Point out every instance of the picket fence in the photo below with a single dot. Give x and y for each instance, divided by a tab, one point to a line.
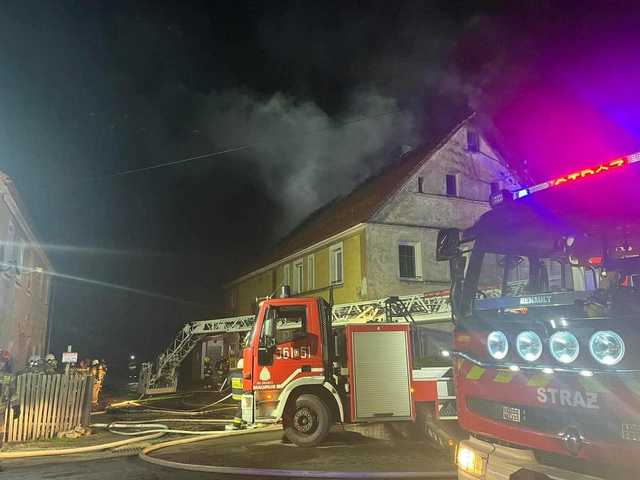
49	404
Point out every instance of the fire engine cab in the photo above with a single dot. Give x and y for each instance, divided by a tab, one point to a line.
300	370
547	373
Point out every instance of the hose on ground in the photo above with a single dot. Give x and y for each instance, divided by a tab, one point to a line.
116	428
271	472
194	412
70	451
154	430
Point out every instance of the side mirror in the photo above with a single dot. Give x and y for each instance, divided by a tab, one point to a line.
266	350
448	244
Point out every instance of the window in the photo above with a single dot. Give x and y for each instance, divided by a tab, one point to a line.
19	258
28	270
8	248
495	187
287	321
451	182
44	287
298	276
311	272
410	260
473	141
336	264
287	275
420	184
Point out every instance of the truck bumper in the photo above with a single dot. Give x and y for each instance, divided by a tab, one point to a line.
479	460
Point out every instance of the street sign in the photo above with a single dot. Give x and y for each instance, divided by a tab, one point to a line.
69	357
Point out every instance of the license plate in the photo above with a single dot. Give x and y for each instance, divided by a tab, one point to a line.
511	414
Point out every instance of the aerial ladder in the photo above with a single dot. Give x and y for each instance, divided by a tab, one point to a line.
161	376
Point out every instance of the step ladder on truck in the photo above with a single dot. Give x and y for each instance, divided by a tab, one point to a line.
347	363
548	377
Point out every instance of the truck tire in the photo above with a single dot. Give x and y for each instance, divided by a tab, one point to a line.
308	422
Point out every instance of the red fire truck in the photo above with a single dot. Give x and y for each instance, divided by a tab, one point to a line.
548	373
299	369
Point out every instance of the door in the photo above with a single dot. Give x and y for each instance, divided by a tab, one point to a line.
289	348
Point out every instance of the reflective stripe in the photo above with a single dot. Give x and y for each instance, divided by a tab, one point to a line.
475	373
539	380
503	376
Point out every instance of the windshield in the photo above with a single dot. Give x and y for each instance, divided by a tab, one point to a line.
603	263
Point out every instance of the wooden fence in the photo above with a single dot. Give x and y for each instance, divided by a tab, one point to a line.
49	404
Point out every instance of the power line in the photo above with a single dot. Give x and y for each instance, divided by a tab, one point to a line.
247	146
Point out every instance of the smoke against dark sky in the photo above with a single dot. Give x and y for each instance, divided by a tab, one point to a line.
325	94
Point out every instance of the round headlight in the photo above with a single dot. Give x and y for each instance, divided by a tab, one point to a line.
606	347
497	345
564	346
529	346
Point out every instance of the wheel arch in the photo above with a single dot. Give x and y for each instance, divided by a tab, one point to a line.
325	391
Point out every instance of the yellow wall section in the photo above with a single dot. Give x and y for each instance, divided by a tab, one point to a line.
260	285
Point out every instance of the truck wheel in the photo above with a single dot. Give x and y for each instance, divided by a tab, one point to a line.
307	423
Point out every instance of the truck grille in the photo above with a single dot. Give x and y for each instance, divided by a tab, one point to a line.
594	425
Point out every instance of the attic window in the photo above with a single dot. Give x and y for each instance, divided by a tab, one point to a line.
451	183
473	141
420	183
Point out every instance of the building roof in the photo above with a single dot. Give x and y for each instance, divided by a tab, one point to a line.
354	208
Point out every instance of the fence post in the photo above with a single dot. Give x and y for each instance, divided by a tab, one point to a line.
88	395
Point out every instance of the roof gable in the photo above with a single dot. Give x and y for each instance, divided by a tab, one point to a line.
360	205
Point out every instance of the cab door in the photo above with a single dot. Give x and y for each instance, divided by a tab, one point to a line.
289	348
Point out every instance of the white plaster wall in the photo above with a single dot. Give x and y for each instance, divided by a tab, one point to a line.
413	216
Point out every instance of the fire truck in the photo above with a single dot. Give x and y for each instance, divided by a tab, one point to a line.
547	373
301	370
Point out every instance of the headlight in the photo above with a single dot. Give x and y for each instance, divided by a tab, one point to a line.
497	345
606	347
564	346
529	346
469	461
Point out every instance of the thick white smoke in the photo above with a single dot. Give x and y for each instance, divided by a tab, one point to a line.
305	156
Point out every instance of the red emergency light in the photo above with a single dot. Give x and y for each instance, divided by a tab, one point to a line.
572	177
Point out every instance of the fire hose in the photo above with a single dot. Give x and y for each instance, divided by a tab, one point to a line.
152	430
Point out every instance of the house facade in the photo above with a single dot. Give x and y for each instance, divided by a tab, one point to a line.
25	273
380	239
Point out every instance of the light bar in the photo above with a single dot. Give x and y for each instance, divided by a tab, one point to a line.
505	195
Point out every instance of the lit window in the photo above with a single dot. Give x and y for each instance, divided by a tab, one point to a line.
298	276
409	260
451	183
311	272
336	264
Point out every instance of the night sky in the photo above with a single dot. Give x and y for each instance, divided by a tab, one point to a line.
311	97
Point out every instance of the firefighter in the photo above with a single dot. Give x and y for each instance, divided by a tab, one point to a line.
51	364
83	367
97	381
8	398
222	371
235	379
35	364
208	374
